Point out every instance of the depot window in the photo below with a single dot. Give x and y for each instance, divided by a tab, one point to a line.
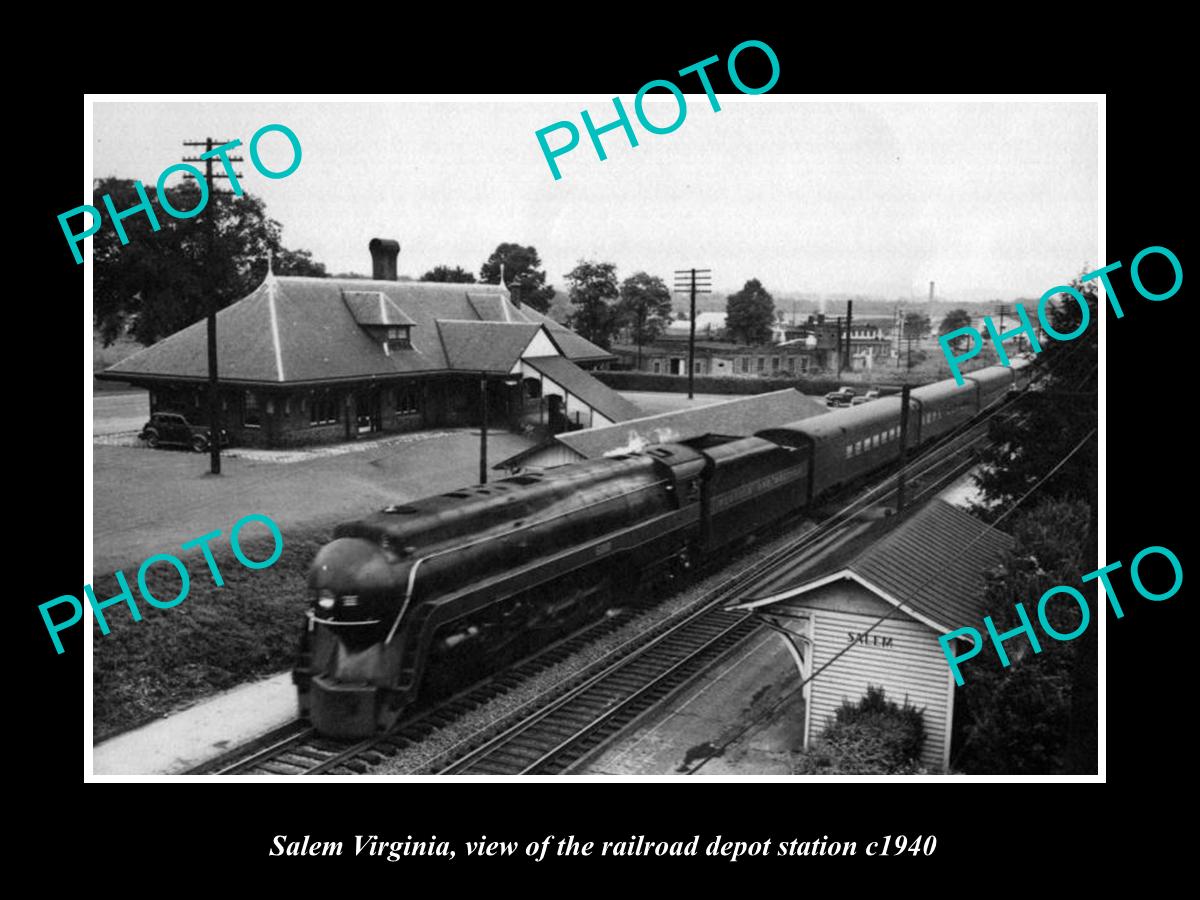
251	412
323	409
407	401
398	337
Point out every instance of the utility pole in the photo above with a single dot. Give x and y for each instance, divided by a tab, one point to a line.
214	403
849	335
693	282
839	345
483	427
898	332
903	446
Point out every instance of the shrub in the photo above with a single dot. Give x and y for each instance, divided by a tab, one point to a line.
874	736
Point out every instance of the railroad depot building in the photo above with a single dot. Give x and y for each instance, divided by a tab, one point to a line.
310	360
881	602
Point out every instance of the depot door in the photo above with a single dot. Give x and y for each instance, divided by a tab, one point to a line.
368	407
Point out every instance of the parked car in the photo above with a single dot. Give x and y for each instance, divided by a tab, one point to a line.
173	428
865	398
843	396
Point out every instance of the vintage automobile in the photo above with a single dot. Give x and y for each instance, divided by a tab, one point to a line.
165	428
843	396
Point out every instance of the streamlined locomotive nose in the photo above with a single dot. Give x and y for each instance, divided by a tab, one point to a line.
350	566
351	582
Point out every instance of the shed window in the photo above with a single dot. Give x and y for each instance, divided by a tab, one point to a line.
849	451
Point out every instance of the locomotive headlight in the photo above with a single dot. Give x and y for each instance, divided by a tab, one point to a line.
325	599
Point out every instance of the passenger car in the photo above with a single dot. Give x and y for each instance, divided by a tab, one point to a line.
415	597
174	428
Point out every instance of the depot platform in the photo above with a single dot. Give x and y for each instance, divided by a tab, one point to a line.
185	739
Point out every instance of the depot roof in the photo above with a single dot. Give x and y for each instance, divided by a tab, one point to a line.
295	329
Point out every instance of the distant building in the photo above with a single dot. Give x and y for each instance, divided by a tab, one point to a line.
710	326
670	357
310	360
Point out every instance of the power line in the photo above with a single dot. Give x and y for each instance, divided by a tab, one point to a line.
214	403
693	282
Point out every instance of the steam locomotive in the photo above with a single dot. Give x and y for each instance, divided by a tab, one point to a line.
405	596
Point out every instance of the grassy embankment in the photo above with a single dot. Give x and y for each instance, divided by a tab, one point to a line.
217	638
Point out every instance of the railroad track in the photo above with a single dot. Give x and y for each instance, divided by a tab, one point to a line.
558	735
559	729
553	734
297	749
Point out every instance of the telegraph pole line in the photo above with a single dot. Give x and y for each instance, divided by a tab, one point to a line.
483	427
214	404
849	335
693	282
904	393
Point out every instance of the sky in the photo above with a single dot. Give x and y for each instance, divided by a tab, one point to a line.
986	199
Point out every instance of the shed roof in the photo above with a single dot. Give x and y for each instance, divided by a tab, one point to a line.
931	564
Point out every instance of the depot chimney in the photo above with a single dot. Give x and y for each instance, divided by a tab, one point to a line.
383	259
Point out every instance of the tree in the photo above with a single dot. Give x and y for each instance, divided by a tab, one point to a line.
457	275
162	281
915	327
954	320
1017	718
1042	712
749	314
646	306
522	270
593	288
1050	421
